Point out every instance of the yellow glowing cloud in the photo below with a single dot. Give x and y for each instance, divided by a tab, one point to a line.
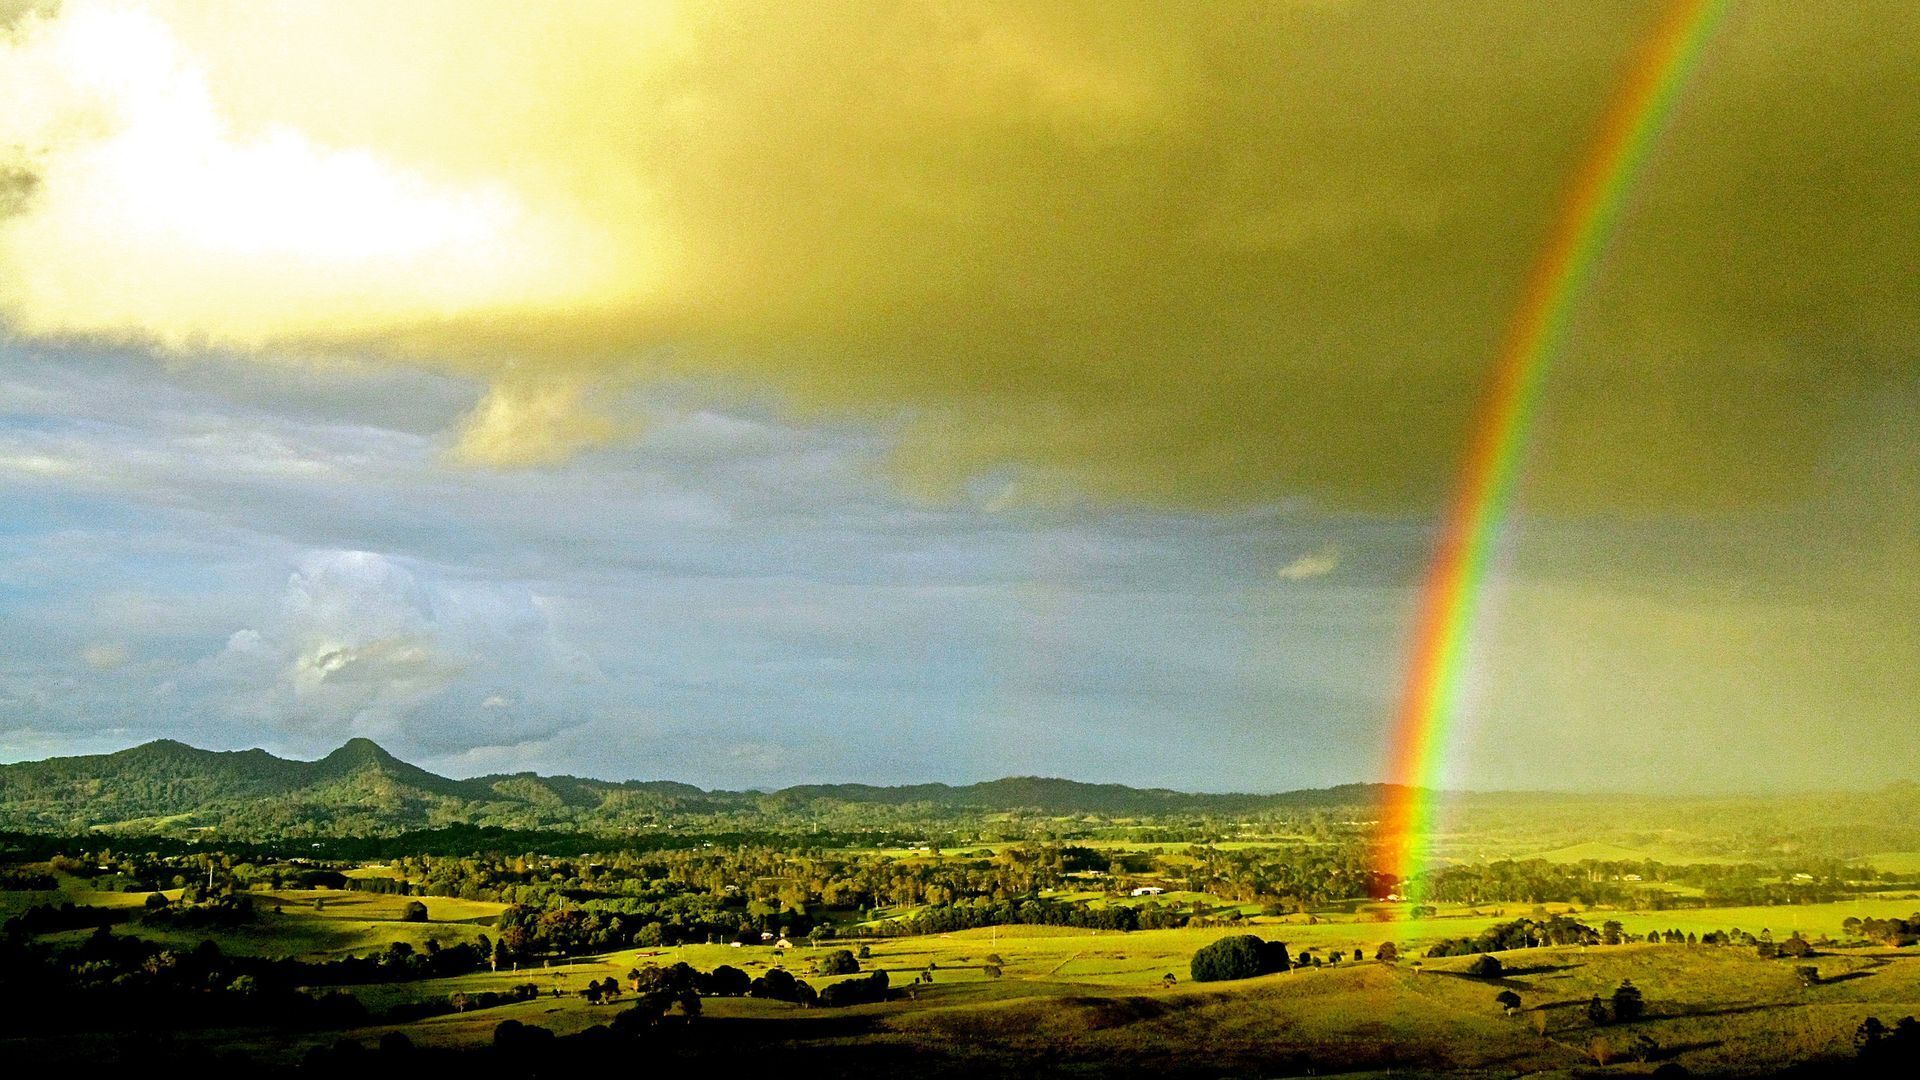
1199	253
152	215
519	424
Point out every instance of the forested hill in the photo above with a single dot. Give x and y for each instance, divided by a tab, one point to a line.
361	789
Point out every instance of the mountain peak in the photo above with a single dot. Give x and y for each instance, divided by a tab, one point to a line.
360	751
161	748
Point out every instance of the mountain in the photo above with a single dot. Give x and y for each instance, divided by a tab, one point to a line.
361	789
148	785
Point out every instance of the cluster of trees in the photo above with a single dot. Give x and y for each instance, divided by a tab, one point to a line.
460	1002
26	881
861	991
1638	883
1522	933
1894	1051
196	870
54	918
1624	1006
1032	912
1897	932
218	912
690	890
1239	956
141	984
684	985
398	962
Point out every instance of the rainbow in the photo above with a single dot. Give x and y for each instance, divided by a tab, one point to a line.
1451	599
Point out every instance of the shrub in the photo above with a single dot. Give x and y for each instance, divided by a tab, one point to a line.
415	911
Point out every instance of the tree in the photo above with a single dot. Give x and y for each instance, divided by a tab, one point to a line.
726	981
1485	967
1627	1003
1597	1014
839	962
458	1001
1387	953
415	911
1508	1001
1241	956
1867	1035
395	1043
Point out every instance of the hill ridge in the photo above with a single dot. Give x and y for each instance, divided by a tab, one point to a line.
361	785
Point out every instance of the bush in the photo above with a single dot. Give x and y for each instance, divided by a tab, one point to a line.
1241	956
415	911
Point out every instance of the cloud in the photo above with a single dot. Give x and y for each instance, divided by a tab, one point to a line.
1195	255
1317	563
520	426
106	655
364	646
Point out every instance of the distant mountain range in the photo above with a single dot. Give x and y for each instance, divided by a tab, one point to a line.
361	789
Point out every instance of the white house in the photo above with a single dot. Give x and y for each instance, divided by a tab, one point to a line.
1148	890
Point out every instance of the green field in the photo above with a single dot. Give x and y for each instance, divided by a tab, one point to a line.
1082	1000
1098	998
1898	862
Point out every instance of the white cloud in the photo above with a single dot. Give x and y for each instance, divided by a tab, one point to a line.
106	655
1317	563
363	644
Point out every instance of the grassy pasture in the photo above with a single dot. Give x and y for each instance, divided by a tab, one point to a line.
1077	1000
345	923
1898	862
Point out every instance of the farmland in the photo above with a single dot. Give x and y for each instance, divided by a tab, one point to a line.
997	999
847	931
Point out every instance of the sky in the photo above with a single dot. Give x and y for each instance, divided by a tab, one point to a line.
751	395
